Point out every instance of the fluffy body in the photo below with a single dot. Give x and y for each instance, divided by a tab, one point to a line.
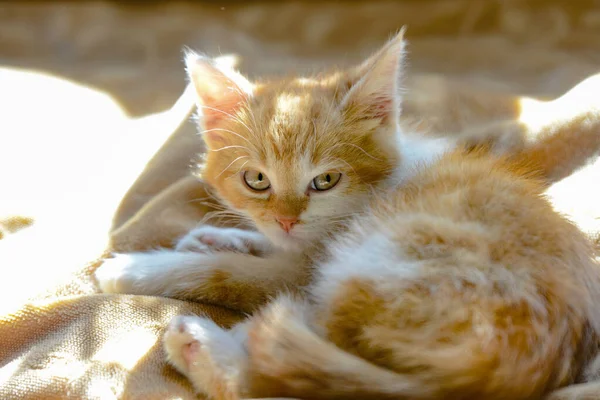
455	279
463	283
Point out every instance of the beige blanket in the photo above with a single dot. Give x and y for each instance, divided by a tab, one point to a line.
78	176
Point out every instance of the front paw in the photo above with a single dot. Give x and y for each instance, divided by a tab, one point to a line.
117	274
208	238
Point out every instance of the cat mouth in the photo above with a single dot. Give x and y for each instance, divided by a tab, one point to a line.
290	235
293	239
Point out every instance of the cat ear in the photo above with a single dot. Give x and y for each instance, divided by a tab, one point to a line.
376	92
220	90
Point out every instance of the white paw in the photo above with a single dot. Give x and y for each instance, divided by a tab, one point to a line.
117	274
208	238
203	352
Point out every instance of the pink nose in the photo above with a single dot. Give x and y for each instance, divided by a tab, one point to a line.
287	223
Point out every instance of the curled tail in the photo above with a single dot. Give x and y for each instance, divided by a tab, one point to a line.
288	359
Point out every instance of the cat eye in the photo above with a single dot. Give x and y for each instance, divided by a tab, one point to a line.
326	181
256	180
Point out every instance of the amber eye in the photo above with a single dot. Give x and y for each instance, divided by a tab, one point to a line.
326	181
256	180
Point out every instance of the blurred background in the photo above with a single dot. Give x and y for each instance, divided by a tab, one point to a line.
132	50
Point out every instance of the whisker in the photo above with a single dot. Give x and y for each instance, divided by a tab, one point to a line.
235	118
221	218
230	164
210	195
200	198
315	135
239	170
230	215
231	147
218	207
349	166
228	131
359	148
254	124
333	100
218	204
243	165
236	89
224	213
206	200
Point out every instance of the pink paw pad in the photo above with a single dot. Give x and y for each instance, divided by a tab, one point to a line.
190	352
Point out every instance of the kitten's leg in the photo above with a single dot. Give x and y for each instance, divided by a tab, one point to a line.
213	359
238	281
205	238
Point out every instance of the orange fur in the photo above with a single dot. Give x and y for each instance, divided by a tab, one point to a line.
458	280
502	306
461	282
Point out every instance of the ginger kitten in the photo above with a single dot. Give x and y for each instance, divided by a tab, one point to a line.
462	283
295	158
457	280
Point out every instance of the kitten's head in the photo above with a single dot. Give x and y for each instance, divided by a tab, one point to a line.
298	156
